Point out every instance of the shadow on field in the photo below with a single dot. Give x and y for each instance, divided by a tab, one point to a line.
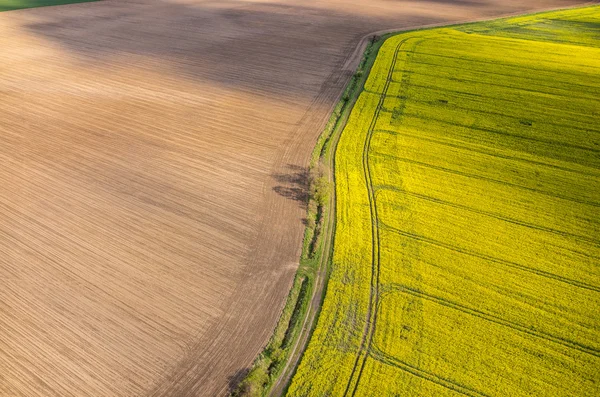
293	184
272	48
234	380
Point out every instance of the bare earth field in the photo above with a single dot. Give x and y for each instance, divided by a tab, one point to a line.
150	153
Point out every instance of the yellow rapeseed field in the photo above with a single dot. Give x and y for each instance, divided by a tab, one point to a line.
467	248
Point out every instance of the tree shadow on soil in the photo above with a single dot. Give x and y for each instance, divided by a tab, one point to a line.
234	380
294	184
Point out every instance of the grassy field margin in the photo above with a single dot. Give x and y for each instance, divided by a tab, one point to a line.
274	367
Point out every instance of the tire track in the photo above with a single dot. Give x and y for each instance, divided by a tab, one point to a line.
377	354
524	137
517	88
489	153
498	320
484	178
360	361
496	114
488	72
501	64
489	214
514	265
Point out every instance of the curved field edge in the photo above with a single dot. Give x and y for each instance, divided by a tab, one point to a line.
9	5
273	369
357	348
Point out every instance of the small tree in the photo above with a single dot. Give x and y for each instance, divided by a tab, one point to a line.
319	185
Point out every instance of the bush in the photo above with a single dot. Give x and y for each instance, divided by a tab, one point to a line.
253	384
319	185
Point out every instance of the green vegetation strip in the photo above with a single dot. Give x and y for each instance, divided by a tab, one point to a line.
8	5
466	255
274	367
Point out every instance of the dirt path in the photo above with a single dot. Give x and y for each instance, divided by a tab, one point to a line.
147	238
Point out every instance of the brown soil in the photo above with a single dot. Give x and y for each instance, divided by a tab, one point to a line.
150	213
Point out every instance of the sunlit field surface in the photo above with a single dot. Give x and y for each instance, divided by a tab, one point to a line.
467	248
